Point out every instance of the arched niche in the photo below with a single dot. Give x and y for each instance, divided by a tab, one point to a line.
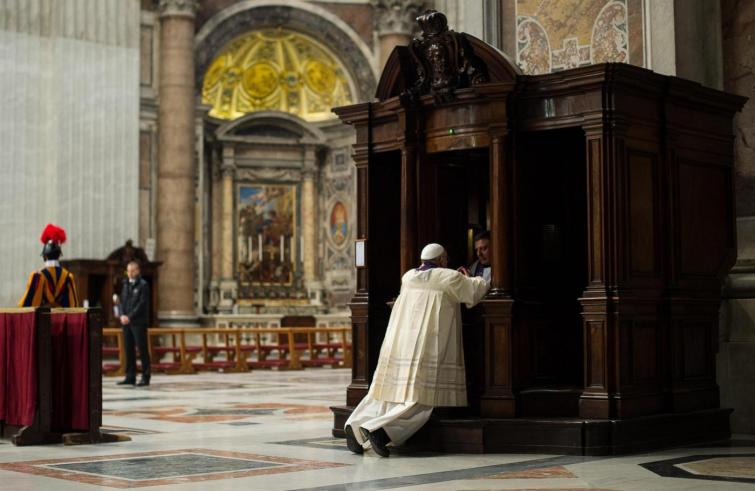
328	29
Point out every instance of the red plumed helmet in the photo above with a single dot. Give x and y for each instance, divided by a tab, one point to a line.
53	233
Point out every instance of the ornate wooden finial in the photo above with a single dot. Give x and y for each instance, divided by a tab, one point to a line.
443	59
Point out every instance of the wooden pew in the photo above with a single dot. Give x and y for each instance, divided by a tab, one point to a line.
109	368
245	348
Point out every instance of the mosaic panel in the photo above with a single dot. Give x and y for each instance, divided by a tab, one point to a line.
326	443
555	35
731	468
228	413
163	468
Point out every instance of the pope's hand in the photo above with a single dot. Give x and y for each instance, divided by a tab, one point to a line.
463	271
124	320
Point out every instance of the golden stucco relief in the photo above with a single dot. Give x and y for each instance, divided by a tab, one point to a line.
276	70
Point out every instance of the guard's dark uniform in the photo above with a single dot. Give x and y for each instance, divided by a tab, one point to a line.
135	305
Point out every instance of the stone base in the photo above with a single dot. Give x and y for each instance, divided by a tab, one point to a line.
569	436
177	319
227	296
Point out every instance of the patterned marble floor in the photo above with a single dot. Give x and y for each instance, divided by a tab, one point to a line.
270	430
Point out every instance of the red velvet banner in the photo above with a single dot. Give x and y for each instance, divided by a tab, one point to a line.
18	368
70	376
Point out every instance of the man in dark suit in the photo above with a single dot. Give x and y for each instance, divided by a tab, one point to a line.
134	316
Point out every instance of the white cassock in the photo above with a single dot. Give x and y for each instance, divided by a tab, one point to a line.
421	362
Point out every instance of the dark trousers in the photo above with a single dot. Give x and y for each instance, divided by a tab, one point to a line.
136	336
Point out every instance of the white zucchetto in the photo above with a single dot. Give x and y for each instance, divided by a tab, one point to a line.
432	251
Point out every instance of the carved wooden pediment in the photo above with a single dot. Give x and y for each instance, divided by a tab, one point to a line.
443	59
440	62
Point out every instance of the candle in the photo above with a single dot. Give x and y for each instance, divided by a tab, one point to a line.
249	248
259	237
283	239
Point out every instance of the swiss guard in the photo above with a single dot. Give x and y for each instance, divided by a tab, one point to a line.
53	285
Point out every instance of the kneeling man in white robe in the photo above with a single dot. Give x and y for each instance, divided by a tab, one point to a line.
421	362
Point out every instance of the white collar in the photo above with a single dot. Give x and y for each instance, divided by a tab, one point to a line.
52	263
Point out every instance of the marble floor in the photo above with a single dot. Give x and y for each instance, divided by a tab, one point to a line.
270	430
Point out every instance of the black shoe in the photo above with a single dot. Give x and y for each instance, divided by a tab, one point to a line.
126	382
351	441
379	439
143	382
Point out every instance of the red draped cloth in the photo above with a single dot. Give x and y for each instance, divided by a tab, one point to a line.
70	376
18	368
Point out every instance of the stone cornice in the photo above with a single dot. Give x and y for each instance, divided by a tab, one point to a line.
396	16
178	8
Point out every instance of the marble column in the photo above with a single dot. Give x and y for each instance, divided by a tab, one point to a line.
394	22
176	167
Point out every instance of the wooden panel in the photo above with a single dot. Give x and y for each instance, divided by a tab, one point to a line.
704	205
595	209
644	352
596	351
501	349
696	348
642	213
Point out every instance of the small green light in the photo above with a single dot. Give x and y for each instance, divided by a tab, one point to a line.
450	131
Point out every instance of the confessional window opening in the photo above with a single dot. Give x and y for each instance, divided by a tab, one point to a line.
462	201
551	250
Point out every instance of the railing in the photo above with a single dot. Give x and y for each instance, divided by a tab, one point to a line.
187	350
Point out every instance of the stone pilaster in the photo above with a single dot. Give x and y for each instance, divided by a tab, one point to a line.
394	23
228	284
176	166
309	217
736	354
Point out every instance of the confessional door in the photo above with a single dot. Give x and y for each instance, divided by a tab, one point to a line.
550	270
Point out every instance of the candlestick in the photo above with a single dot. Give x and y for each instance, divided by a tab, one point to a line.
249	248
283	239
259	237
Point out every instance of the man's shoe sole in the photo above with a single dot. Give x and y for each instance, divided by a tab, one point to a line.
351	441
378	447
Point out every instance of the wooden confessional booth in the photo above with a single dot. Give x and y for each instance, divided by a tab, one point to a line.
608	192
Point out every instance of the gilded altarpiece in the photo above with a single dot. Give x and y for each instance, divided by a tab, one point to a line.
268	243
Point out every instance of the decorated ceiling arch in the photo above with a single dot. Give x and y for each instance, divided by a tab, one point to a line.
276	70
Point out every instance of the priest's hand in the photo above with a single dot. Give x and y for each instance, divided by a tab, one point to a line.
124	320
463	271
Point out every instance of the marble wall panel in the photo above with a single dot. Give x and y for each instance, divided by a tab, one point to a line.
337	229
69	129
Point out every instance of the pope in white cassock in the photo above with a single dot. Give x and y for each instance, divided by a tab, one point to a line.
421	362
